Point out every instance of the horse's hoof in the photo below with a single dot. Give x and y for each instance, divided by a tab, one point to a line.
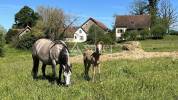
66	85
88	78
35	77
61	83
44	78
53	82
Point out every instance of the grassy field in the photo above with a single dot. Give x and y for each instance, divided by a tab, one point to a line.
169	43
155	78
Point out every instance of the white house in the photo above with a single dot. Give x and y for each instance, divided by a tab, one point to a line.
131	22
81	34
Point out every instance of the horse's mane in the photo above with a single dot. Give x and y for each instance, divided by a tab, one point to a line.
61	42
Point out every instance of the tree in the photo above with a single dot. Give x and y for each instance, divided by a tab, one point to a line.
96	34
138	7
153	10
2	40
168	14
26	16
158	31
55	21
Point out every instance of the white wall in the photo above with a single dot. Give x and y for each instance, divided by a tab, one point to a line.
119	32
80	36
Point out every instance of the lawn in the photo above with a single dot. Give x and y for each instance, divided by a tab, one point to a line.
154	78
169	43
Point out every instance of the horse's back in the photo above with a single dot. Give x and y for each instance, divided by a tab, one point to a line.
41	49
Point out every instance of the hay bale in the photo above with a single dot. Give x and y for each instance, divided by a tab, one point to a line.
132	46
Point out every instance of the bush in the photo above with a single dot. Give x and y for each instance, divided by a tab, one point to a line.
11	35
26	41
130	35
2	42
144	34
173	32
107	38
97	34
158	31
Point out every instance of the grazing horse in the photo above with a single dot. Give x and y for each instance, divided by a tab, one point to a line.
92	58
51	53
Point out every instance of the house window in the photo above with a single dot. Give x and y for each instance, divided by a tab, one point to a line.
120	31
80	31
75	37
81	38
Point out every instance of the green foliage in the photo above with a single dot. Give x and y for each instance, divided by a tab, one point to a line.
144	34
130	35
26	16
154	79
153	11
94	34
158	31
97	34
25	42
39	29
108	38
2	42
11	35
173	32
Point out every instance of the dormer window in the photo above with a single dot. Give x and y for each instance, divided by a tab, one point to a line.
80	31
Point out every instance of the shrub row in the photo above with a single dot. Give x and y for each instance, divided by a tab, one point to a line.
156	32
2	42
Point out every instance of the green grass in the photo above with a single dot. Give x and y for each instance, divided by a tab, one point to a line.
169	43
155	78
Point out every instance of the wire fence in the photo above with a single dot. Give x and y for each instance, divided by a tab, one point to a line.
78	48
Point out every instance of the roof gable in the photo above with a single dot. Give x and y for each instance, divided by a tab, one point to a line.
98	23
23	30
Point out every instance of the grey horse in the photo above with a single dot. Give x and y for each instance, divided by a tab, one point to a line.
51	53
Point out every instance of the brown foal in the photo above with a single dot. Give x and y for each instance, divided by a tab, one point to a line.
92	58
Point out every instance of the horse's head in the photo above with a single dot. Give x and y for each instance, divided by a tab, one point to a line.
66	63
99	47
67	73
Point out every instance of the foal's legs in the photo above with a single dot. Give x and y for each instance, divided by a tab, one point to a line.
43	71
54	69
35	67
93	77
99	71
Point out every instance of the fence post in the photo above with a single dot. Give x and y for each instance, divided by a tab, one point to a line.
111	48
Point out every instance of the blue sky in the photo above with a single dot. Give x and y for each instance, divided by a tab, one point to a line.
102	10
